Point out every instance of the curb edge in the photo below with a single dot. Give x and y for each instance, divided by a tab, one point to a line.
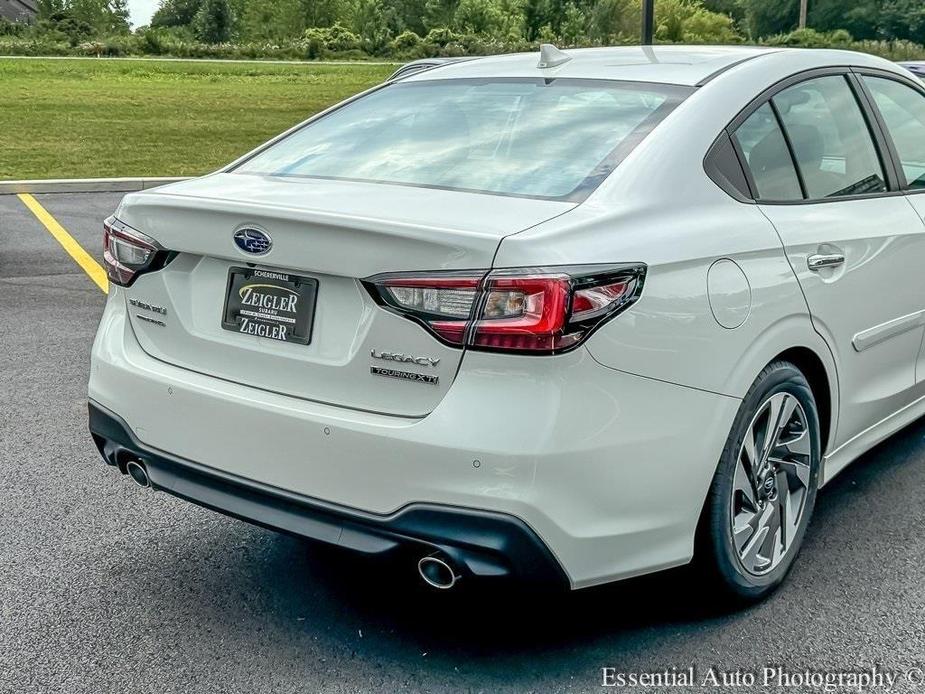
85	185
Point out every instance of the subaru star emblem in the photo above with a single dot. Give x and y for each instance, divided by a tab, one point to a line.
253	241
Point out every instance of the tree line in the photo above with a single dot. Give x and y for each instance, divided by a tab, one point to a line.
417	28
598	21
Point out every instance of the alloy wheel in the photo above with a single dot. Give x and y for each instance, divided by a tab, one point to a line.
771	484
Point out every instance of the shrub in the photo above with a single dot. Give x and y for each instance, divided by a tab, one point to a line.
333	38
34	46
121	45
684	21
8	28
93	48
891	50
156	41
312	47
406	41
810	38
441	36
62	26
408	46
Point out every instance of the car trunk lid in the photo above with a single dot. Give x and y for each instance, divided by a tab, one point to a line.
333	233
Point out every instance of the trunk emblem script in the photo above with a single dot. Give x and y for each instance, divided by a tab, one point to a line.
403	358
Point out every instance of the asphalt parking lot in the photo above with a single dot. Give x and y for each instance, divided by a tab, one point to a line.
105	587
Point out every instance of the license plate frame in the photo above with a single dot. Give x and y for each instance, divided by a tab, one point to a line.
278	306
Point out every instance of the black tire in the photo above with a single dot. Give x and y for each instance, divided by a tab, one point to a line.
717	553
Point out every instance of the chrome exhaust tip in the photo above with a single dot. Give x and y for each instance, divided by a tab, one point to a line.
136	470
437	573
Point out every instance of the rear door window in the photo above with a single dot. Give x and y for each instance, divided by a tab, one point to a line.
903	111
831	142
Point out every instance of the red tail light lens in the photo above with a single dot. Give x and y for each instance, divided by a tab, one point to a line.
128	253
589	302
523	313
535	311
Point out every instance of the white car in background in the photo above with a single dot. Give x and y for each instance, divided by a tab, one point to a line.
916	67
564	318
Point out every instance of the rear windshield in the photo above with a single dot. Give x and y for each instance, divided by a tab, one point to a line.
553	139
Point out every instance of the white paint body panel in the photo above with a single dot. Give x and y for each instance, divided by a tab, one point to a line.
917	202
883	242
607	452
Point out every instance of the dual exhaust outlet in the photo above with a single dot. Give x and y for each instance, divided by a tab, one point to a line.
139	474
434	571
437	572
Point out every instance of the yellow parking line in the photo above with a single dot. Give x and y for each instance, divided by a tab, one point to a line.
86	261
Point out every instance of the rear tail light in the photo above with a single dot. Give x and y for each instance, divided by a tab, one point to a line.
442	303
534	311
128	253
524	313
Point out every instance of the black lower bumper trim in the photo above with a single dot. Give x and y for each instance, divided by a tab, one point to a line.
480	543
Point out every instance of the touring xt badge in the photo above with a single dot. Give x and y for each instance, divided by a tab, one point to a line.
404	358
405	375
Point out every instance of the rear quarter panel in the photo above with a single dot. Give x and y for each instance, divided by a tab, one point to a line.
671	333
660	208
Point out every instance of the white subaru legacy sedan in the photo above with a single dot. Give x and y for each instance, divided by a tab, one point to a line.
559	318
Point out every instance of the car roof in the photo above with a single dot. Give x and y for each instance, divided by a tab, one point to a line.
669	64
684	65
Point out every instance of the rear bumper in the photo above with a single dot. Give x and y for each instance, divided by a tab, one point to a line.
477	543
608	469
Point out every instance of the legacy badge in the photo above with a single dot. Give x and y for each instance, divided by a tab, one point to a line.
403	358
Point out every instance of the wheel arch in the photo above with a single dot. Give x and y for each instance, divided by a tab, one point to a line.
814	369
794	339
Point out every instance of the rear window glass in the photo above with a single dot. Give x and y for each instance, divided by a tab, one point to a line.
555	139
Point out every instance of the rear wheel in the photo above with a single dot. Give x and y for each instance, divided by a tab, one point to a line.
764	490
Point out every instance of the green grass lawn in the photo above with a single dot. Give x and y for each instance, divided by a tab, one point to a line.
87	118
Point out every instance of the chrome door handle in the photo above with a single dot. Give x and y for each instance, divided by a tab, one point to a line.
822	261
